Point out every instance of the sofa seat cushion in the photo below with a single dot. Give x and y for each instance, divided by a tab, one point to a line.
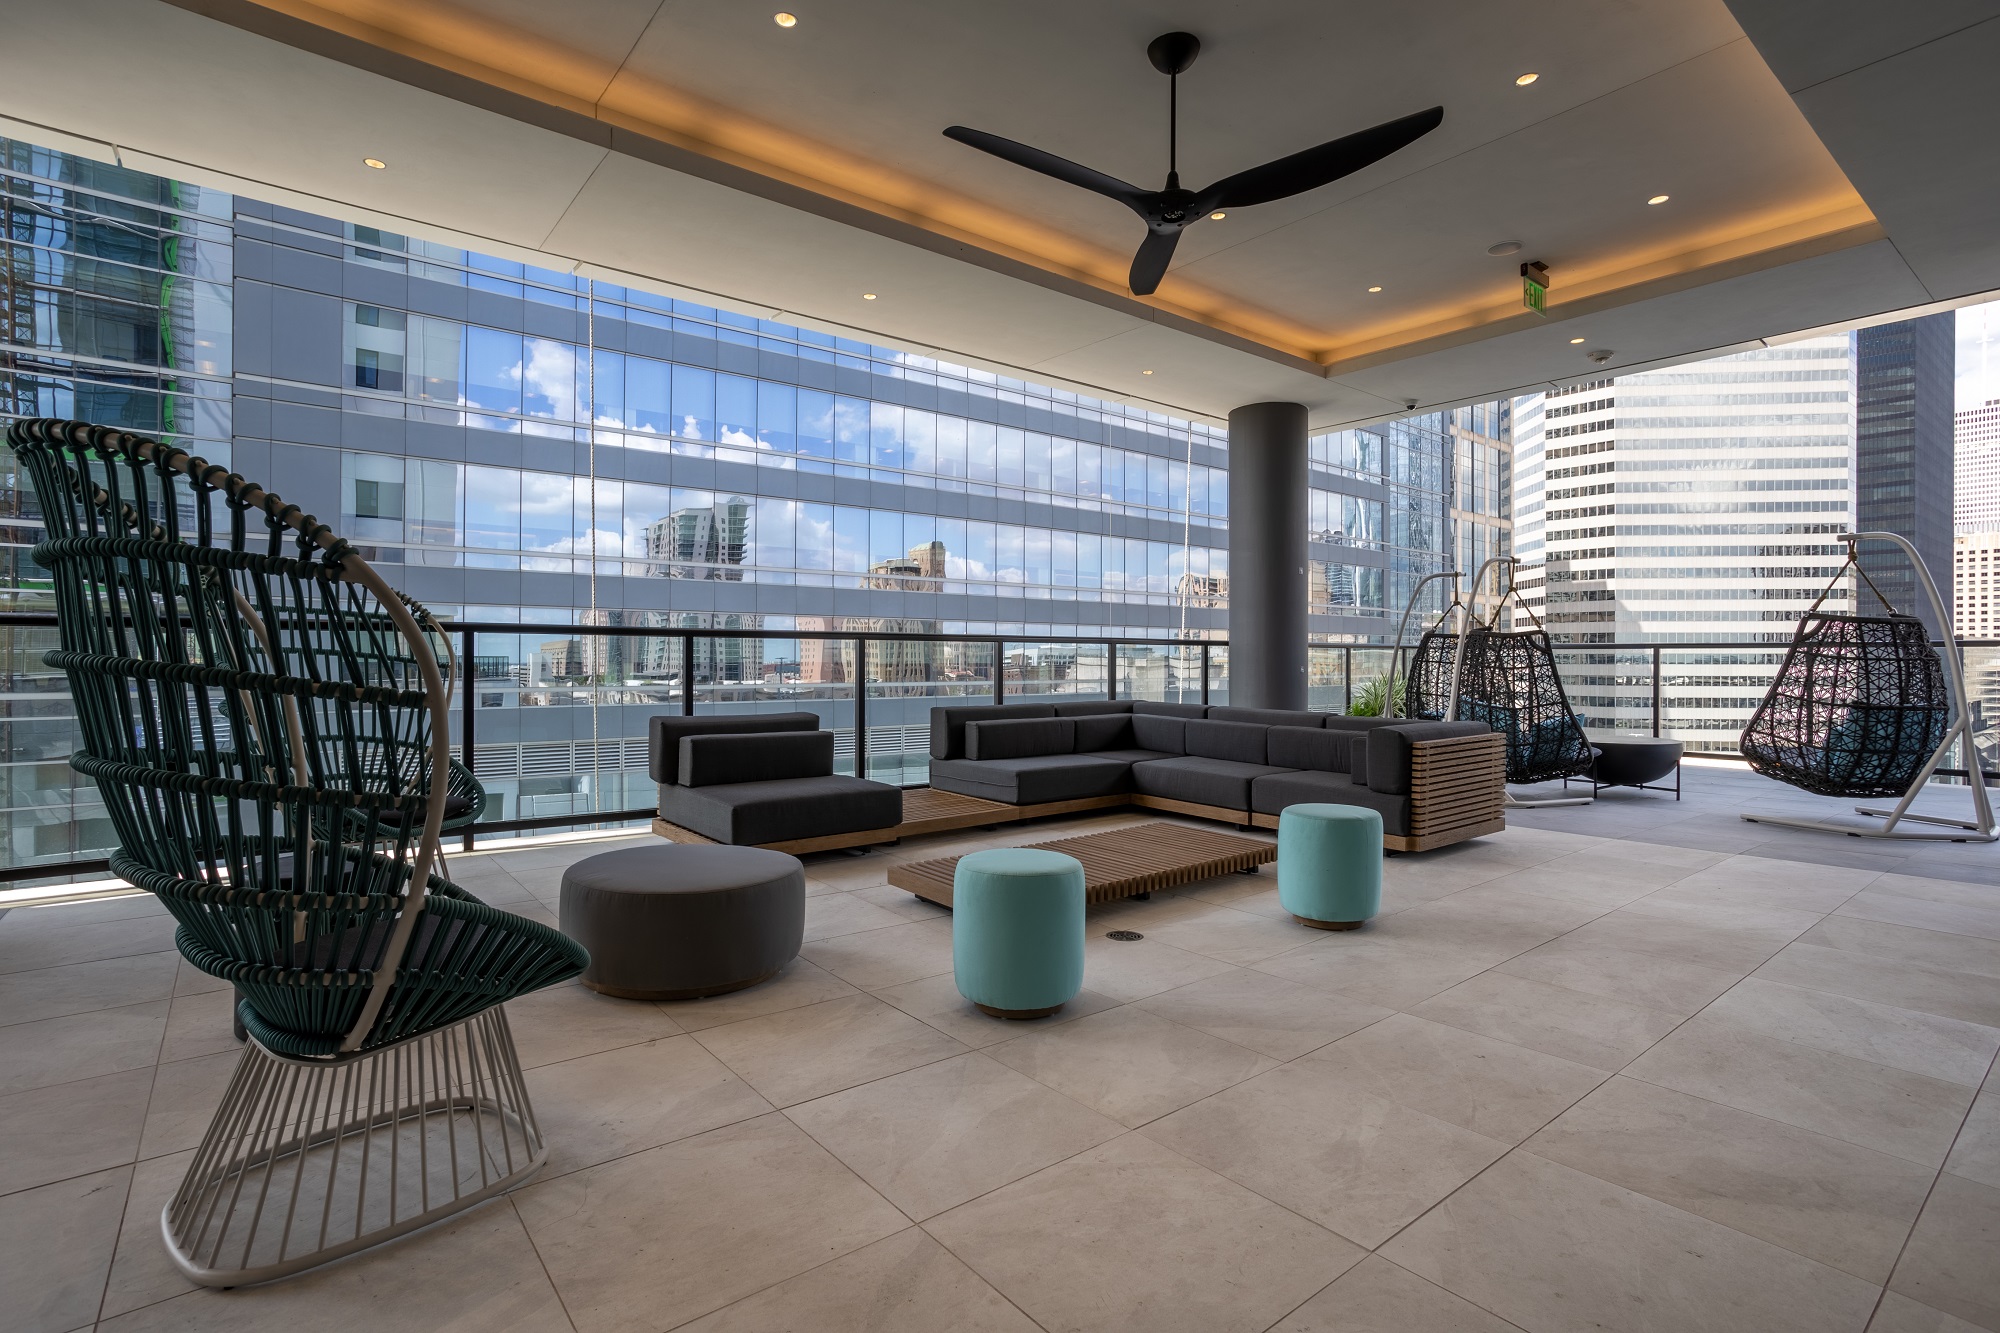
1134	756
1218	782
1035	779
746	813
1270	794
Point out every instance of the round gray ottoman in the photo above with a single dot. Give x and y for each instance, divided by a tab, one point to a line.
676	922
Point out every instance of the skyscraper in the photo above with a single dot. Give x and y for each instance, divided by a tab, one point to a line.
1695	503
1976	468
1903	445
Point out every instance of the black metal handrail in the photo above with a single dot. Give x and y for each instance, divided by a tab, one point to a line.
469	632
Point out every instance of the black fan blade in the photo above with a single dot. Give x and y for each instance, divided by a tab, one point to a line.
1317	166
1048	164
1150	264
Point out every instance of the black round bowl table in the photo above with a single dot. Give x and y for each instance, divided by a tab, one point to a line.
1633	759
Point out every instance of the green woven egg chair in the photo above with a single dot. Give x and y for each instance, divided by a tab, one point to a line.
265	721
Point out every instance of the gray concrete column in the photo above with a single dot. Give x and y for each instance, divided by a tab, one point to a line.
1267	556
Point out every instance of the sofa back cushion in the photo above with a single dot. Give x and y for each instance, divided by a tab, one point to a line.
1168	735
1313	748
1266	717
1091	707
667	729
719	760
1238	742
1148	706
1104	731
948	724
1342	722
1019	738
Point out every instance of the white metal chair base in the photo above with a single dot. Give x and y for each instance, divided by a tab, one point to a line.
307	1161
1972	833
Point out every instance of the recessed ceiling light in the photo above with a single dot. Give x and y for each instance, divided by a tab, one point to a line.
785	20
1525	79
1574	341
374	162
1504	248
1374	289
867	296
1145	372
1657	199
1217	216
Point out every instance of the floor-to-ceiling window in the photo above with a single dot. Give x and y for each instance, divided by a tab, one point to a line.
522	445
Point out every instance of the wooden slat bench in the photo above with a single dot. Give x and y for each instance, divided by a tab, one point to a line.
1118	864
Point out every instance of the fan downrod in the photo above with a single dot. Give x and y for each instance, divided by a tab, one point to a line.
1172	52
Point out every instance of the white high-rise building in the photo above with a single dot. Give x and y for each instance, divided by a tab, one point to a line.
1695	503
1975	581
1976	483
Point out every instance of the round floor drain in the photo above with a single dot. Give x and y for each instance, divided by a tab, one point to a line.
1123	935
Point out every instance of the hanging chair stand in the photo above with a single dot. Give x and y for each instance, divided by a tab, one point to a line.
1981	828
1509	800
1398	658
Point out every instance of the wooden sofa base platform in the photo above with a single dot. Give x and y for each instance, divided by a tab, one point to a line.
1398	842
1456	790
925	810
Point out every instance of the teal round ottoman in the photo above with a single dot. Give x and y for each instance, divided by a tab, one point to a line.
1330	864
1017	930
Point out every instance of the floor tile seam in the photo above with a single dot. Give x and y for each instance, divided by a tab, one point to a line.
99	1009
795	1009
913	1226
1910	1233
1974	978
919	1221
108	958
1994	1028
1845	913
1523	1149
118	1232
1881	1282
1279	1204
1199	1031
621	1046
1140	1130
1725	1020
545	1175
781	1108
134	1161
536	1249
973	1268
1377	1254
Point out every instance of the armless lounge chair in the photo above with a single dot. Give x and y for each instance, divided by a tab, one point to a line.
266	722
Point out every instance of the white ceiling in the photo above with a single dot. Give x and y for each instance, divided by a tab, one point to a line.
698	145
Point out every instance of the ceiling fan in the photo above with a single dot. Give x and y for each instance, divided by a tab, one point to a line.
1168	212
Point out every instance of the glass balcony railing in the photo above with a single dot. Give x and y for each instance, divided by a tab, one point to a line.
556	716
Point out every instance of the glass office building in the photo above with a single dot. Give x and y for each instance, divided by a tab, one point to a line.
519	446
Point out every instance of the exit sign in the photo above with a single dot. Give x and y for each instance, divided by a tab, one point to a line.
1535	287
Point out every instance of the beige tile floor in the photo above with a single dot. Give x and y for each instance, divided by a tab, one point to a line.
1563	1083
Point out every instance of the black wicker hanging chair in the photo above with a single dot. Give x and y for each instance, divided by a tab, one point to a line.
1858	706
1427	681
1508	680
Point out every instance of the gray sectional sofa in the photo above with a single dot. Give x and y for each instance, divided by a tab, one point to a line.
1432	782
766	781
